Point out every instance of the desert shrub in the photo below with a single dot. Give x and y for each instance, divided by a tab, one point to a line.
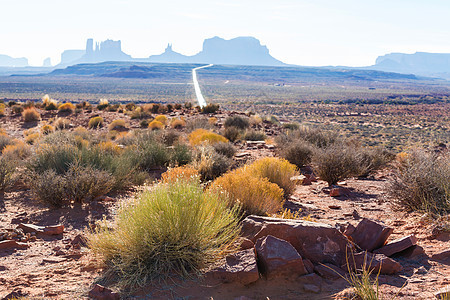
30	115
335	163
109	147
252	135
7	170
185	173
62	123
212	121
144	123
211	164
180	155
272	119
139	113
210	108
17	109
48	187
18	151
372	160
2	109
55	156
85	183
291	126
47	128
114	107
49	104
162	119
32	138
422	182
102	104
170	137
155	125
200	136
118	125
67	108
226	149
5	140
238	122
256	196
177	123
255	120
198	123
231	133
298	153
148	153
130	106
315	136
174	229
95	122
276	170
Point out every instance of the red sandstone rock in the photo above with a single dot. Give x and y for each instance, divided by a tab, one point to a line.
11	244
329	271
101	293
397	245
47	230
374	262
370	235
442	257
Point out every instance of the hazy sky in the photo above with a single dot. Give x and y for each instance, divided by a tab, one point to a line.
304	32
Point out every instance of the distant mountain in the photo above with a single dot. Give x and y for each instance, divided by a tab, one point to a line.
237	51
419	63
8	61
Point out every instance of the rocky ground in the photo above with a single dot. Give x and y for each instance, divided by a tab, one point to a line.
49	262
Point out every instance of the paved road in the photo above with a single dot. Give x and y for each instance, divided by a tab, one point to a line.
198	92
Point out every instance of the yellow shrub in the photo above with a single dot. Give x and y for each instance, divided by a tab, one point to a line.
95	122
49	104
118	124
162	119
276	170
186	173
32	137
2	109
287	214
109	147
256	195
19	150
155	125
30	115
66	108
3	132
177	123
212	121
199	136
47	128
80	142
255	120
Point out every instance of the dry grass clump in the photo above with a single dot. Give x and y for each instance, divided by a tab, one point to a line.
232	133
31	115
238	122
155	125
255	195
276	170
7	170
421	181
95	122
17	109
102	104
186	173
18	151
200	136
212	121
67	108
5	140
49	104
298	153
196	123
62	124
372	160
2	109
173	229
210	164
47	128
162	119
177	123
226	149
253	135
118	125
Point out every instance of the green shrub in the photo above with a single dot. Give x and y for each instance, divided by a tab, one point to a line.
255	195
421	181
238	122
254	136
335	163
298	153
95	122
48	187
173	229
226	149
276	170
7	170
180	155
211	164
57	157
372	160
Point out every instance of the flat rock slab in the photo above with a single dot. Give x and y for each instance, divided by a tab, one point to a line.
239	267
442	257
277	258
102	293
397	245
47	230
329	271
11	244
370	235
373	262
318	242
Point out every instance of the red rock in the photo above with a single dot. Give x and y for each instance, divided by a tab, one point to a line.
442	257
245	243
308	265
101	293
329	271
310	279
320	243
11	244
298	180
14	295
239	267
334	207
397	245
370	235
79	240
47	230
349	230
443	293
412	252
374	262
278	258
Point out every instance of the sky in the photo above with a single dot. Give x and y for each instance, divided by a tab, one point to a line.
302	32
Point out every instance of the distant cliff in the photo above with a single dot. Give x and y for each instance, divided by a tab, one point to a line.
8	61
237	51
419	63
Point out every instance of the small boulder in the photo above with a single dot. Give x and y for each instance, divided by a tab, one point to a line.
411	252
397	245
329	271
102	293
47	230
311	283
245	243
374	262
78	241
338	191
12	244
278	258
239	267
370	235
308	265
442	257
